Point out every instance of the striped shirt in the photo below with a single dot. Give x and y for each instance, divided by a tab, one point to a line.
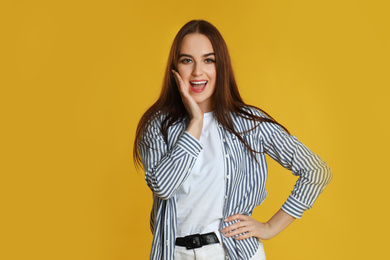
168	164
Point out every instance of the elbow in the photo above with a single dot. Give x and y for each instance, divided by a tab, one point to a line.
160	190
327	176
164	195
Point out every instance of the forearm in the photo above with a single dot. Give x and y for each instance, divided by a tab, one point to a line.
279	222
166	170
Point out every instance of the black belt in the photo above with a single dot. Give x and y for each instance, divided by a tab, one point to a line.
197	240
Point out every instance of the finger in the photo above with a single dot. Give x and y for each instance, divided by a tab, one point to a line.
229	229
181	85
243	236
177	78
234	226
236	232
236	217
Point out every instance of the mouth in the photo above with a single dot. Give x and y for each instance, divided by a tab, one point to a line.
198	86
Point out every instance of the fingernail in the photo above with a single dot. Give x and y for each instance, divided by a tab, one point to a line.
226	219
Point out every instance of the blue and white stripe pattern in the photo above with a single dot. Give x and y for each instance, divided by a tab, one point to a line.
168	164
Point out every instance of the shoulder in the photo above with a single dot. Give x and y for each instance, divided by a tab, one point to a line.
156	122
254	111
153	124
248	119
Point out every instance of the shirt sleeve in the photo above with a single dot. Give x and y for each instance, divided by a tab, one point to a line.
314	174
166	170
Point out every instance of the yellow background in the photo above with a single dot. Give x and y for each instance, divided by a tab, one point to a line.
77	75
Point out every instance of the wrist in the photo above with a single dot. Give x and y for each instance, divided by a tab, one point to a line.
272	231
196	118
195	127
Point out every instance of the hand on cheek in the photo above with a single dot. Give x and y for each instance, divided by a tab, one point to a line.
189	103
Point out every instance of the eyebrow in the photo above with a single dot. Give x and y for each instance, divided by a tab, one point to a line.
205	55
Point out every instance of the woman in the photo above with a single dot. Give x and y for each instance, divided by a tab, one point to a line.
203	152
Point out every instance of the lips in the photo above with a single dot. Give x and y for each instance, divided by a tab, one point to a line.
198	86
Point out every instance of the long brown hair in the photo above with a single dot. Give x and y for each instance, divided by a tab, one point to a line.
227	97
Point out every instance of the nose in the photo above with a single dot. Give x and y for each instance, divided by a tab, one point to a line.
197	69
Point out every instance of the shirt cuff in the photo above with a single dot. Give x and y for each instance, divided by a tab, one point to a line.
190	144
294	207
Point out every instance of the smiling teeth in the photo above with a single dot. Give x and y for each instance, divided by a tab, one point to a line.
199	82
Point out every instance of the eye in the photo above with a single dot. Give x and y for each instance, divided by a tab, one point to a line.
208	60
186	60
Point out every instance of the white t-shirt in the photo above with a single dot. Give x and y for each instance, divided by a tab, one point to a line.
200	198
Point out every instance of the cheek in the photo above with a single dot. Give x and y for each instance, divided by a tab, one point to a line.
212	73
183	71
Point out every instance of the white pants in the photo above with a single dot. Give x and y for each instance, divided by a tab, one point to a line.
213	251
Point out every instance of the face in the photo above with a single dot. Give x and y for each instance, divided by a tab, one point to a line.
196	67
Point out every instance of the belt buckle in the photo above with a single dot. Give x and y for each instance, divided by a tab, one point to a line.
193	241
